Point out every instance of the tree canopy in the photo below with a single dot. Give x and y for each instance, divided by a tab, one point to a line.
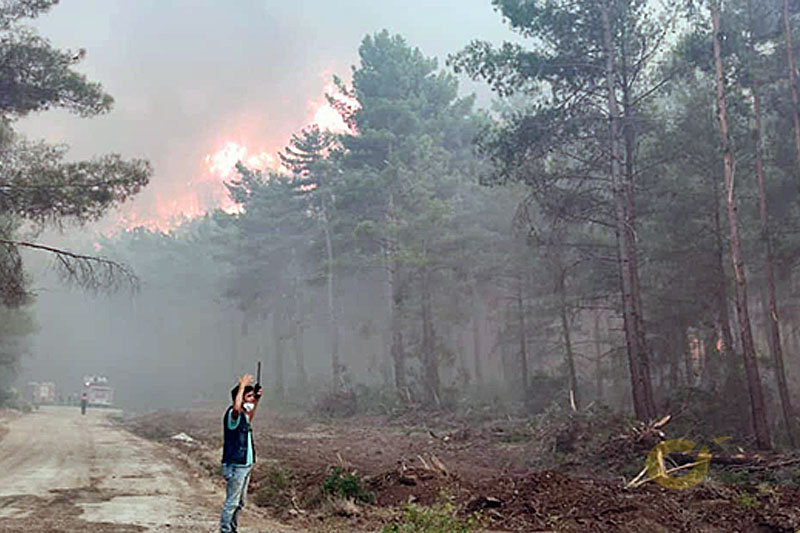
38	184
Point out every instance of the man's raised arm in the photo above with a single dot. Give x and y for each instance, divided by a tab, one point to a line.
244	381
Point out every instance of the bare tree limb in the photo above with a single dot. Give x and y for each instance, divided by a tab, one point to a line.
89	272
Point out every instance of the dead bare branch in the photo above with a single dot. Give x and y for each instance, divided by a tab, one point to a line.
89	272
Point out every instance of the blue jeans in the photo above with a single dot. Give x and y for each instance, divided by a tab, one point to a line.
236	478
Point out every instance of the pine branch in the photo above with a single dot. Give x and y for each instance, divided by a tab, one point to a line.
88	272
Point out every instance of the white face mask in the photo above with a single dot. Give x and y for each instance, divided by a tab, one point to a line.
248	406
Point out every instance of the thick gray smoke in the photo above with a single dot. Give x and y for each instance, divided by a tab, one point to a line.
189	76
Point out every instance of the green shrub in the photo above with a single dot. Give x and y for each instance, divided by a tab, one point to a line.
13	400
336	404
794	478
733	476
542	390
745	499
706	415
274	488
742	476
346	486
378	400
436	519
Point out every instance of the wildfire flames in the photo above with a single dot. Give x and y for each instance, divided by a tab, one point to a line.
222	164
174	203
326	117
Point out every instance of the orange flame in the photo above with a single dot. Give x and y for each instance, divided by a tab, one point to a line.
222	163
172	204
325	116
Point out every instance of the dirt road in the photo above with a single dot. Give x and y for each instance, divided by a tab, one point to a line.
60	471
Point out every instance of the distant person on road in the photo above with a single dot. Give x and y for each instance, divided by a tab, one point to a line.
238	452
84	402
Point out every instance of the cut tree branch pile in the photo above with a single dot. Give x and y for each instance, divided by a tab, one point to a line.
651	434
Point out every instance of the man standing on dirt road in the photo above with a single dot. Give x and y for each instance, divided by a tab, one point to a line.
238	452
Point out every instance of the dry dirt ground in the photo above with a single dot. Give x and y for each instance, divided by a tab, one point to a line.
490	468
63	472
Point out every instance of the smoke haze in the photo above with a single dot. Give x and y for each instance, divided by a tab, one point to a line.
190	77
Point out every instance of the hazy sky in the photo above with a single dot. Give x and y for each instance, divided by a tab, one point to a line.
191	76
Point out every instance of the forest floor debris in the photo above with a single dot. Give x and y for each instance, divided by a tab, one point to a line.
559	472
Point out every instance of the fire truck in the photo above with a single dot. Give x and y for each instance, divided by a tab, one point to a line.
98	391
41	393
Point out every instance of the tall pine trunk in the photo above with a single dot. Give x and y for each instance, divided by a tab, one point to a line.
772	306
395	296
299	357
629	184
641	387
277	340
387	247
430	358
569	356
477	335
387	337
332	320
688	363
386	354
397	350
758	411
787	29
523	341
674	349
298	329
598	363
725	340
398	347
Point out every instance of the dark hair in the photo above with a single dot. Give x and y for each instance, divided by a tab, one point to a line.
235	391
